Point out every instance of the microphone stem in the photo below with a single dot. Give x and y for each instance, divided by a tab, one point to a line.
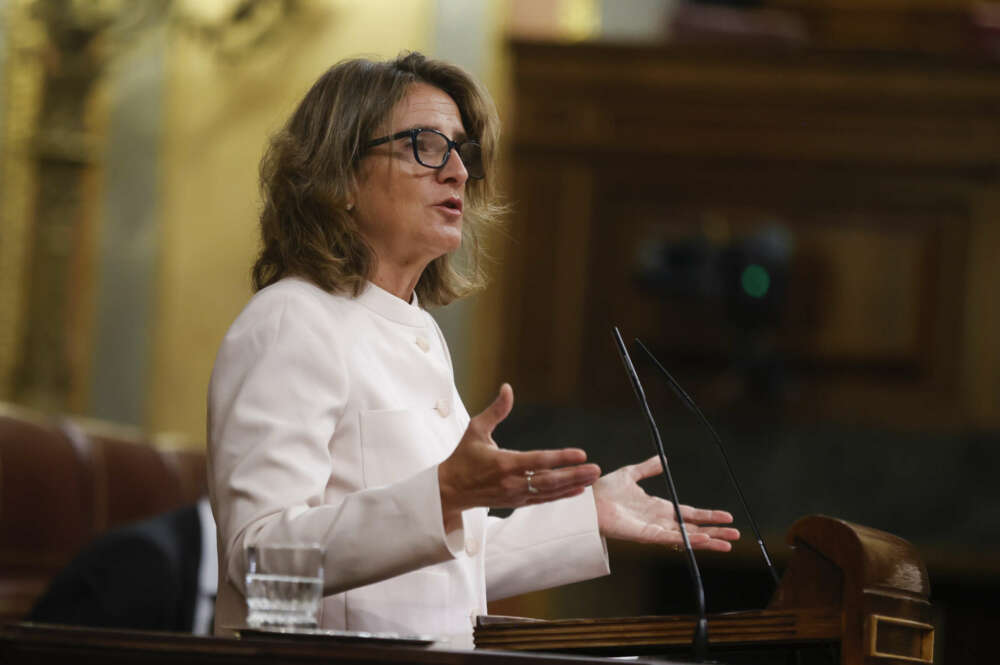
701	627
689	402
767	561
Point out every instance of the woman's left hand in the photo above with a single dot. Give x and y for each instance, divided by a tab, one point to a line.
626	512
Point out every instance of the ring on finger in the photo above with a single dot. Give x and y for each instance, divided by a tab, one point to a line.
528	475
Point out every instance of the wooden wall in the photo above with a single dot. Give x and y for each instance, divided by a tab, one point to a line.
879	172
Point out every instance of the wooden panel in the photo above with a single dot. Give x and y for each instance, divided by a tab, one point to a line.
870	272
649	634
874	168
873	597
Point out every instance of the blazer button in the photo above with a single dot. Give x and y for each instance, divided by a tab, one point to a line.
423	344
471	547
443	408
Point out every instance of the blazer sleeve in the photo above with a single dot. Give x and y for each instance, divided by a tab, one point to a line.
543	546
276	397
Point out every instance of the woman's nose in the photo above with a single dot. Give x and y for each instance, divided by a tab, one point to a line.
454	169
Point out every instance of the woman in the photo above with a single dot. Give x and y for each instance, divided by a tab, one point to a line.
333	413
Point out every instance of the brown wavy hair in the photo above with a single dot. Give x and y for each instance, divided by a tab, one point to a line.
308	172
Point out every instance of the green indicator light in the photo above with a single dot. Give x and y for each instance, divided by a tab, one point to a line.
755	280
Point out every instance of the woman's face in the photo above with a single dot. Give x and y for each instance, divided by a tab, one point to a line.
409	213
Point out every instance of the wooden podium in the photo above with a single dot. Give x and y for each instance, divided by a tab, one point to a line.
848	590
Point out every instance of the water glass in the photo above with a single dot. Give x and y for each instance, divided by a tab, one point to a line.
284	585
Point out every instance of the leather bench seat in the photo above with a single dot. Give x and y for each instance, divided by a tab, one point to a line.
64	481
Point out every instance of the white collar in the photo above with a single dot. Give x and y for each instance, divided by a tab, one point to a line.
395	309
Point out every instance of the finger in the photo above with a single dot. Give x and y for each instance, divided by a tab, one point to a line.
672	536
662	510
721	533
648	468
714	546
536	460
559	480
704	534
710	532
494	414
669	535
696	539
705	516
664	518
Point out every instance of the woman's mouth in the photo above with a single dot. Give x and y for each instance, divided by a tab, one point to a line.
452	205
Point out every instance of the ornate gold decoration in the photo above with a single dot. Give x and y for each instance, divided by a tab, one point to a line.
60	153
22	76
58	53
231	28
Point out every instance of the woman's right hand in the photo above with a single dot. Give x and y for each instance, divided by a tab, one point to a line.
481	474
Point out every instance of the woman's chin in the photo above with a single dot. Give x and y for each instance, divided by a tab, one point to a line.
450	239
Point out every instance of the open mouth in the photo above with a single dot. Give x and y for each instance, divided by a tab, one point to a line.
452	203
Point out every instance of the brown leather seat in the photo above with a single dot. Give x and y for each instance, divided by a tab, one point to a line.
132	481
63	483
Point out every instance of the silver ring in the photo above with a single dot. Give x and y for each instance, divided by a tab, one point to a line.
528	475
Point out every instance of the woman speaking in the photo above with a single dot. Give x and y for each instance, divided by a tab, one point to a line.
333	412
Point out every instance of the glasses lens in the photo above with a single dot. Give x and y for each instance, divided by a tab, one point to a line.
472	156
432	148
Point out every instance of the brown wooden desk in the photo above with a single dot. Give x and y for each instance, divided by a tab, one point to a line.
851	595
37	644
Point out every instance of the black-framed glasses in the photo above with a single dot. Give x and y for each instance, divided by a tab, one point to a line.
432	149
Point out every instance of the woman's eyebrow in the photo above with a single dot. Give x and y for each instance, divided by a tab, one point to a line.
459	136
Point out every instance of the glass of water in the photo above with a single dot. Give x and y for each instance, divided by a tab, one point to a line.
284	585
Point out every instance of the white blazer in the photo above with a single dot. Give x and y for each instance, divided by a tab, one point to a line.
327	417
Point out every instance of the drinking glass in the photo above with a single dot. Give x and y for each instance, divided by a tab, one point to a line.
284	585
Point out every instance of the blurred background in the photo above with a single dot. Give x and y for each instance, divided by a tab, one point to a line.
794	203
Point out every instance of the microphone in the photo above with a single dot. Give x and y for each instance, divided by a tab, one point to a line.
700	642
690	404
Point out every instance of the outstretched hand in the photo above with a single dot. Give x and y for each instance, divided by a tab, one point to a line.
480	473
626	512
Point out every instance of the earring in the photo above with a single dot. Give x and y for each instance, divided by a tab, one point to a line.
350	207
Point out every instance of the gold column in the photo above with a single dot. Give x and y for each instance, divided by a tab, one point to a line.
22	79
61	153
